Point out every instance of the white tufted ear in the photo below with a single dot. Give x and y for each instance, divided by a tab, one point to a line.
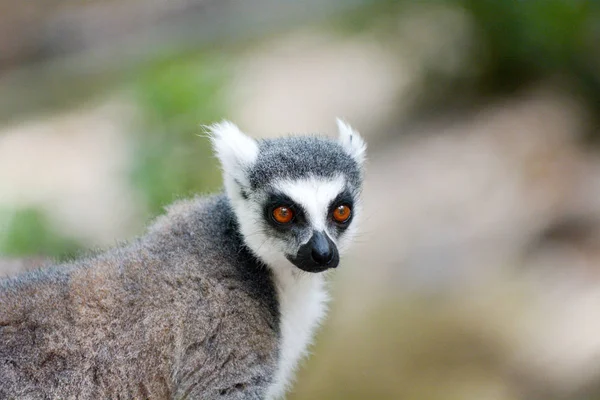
351	141
236	151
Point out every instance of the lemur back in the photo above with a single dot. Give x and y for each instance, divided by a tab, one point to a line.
155	319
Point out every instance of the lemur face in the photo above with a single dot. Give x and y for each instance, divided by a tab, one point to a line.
296	198
307	218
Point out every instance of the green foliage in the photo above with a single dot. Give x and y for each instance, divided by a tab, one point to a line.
173	159
28	232
529	40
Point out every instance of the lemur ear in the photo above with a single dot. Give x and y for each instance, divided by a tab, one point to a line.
236	151
351	141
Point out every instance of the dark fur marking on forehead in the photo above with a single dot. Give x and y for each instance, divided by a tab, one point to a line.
298	157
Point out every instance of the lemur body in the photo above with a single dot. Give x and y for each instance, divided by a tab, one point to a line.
218	300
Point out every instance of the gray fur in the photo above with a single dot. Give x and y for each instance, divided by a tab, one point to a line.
184	312
297	157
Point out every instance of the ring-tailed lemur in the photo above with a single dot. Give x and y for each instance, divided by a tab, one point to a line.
218	300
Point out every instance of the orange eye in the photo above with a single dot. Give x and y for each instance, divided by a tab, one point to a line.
283	214
342	213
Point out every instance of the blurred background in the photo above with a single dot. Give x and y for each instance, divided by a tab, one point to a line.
477	272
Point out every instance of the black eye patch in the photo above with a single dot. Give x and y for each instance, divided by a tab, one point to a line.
344	198
277	199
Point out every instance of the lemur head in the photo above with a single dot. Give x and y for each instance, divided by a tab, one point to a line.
296	198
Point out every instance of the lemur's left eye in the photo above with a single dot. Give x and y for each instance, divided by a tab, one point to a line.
283	214
342	213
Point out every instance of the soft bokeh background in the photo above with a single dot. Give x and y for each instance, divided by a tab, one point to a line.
477	273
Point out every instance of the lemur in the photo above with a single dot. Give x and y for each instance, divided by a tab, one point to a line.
219	299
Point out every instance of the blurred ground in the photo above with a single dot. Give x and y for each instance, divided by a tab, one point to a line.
476	275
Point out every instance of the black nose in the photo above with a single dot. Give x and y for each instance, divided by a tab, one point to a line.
316	255
322	252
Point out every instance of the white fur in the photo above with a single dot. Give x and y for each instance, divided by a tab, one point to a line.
314	194
351	141
302	304
235	150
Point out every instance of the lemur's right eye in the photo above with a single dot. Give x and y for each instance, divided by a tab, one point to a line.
283	214
342	213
